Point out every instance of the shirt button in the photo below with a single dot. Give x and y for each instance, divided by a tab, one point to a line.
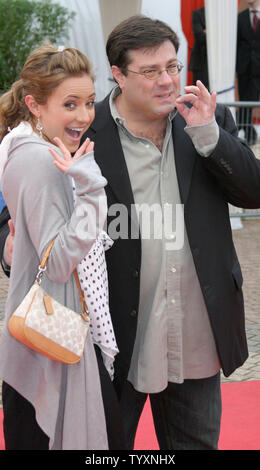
133	313
173	301
172	236
135	273
196	252
173	270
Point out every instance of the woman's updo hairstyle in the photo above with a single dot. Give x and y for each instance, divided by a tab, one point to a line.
44	70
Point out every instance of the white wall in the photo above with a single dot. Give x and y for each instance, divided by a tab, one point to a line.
169	11
86	35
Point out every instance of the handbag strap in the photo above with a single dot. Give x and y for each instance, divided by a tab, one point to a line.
42	267
46	255
84	308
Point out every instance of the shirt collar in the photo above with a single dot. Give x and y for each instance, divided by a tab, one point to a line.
257	9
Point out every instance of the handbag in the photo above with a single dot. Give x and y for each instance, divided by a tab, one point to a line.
48	327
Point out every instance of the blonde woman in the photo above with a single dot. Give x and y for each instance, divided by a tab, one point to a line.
50	194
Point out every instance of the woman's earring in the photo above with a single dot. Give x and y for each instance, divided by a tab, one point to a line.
39	127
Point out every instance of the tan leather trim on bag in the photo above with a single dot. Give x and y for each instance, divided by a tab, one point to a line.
29	337
48	348
47	254
15	326
48	304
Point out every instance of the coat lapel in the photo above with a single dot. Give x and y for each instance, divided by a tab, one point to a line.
185	157
110	158
109	154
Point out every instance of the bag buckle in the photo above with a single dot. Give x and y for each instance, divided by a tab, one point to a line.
39	275
85	317
84	310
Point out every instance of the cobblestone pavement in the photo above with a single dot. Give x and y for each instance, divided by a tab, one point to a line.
247	242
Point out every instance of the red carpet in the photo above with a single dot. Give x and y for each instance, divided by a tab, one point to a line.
240	428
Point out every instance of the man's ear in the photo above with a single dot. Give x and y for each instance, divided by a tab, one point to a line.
32	105
118	76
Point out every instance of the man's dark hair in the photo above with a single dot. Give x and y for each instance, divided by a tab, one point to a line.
134	33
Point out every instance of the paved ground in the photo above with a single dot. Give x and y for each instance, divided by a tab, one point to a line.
247	242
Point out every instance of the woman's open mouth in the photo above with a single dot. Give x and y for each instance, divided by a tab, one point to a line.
75	133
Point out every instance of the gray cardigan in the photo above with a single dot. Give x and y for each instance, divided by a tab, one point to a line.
67	399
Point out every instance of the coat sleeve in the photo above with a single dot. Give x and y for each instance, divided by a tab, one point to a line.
4	231
234	165
44	198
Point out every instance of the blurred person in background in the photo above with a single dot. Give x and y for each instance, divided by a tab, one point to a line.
248	65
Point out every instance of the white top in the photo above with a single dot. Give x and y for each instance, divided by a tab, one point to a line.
92	272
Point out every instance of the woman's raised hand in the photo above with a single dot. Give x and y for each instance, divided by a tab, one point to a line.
64	164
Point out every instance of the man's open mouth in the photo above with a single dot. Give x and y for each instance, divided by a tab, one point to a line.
164	95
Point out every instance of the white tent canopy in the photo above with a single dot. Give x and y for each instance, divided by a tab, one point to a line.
221	28
96	18
86	35
221	47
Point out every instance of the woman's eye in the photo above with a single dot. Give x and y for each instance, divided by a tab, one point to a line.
70	105
90	104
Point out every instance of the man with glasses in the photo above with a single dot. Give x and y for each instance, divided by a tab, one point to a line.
174	288
177	307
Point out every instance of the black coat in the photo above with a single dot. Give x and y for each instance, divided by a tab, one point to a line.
231	174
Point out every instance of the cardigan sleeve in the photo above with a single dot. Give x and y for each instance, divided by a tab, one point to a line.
43	197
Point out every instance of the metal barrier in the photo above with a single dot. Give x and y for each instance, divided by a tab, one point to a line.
247	117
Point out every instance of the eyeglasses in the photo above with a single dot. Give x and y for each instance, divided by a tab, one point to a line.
153	74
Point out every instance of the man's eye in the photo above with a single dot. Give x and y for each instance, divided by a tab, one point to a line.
172	67
150	72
